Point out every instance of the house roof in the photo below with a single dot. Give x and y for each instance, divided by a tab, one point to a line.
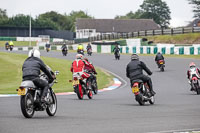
194	23
116	25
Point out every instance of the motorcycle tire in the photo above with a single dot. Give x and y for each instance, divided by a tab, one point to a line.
52	107
95	87
152	101
79	91
90	95
27	105
140	100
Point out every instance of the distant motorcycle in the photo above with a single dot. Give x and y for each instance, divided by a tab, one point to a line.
142	92
195	85
64	51
89	52
80	86
81	52
7	47
11	47
161	64
47	49
117	55
31	95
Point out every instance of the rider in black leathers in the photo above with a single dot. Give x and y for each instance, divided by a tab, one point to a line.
158	57
134	71
116	49
31	71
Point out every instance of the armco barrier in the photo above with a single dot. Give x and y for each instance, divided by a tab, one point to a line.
187	50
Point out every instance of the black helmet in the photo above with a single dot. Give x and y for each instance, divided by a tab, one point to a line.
134	57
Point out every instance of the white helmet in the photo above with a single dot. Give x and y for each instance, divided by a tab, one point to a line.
34	53
79	56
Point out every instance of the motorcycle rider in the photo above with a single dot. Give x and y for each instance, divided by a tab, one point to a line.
193	72
159	57
64	46
89	46
116	49
78	66
134	71
89	69
80	47
6	45
31	71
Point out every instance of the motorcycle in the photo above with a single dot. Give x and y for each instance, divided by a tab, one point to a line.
142	92
94	83
117	55
7	47
81	52
64	51
89	52
161	64
11	47
195	85
31	95
47	49
80	86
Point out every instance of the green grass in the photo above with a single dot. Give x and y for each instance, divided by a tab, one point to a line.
187	39
18	43
11	73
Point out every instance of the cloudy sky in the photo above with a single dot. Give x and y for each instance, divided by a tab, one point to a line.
181	11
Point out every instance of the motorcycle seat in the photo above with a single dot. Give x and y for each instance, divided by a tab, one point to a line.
137	80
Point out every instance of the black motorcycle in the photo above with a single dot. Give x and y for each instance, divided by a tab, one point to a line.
11	47
142	92
31	95
64	51
81	52
94	83
117	55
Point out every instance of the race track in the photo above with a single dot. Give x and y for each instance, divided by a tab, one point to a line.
176	108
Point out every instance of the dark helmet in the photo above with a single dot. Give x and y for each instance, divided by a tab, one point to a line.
134	57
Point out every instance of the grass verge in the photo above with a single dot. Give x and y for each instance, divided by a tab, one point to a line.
11	73
18	43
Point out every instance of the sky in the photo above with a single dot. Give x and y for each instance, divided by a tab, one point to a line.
181	11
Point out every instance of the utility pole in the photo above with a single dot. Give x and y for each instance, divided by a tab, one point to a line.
30	31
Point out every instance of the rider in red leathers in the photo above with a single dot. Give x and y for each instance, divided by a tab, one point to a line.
79	65
193	72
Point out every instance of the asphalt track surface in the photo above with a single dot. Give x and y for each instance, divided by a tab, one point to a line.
176	108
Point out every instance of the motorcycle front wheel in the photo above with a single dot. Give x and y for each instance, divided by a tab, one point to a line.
52	107
95	87
27	105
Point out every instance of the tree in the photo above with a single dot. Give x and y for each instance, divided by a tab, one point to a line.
131	15
196	7
156	10
3	16
77	14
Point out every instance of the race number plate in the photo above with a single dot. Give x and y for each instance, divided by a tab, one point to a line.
135	89
161	62
21	91
75	82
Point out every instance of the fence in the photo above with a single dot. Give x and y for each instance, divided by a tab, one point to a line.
187	50
145	33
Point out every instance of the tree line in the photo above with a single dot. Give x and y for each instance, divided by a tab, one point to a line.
157	10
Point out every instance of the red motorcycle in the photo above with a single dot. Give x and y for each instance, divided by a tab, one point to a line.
195	85
81	86
142	92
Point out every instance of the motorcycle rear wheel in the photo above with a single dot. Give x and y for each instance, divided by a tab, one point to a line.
79	91
52	108
27	105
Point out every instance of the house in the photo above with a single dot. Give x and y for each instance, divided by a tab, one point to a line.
195	23
92	27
